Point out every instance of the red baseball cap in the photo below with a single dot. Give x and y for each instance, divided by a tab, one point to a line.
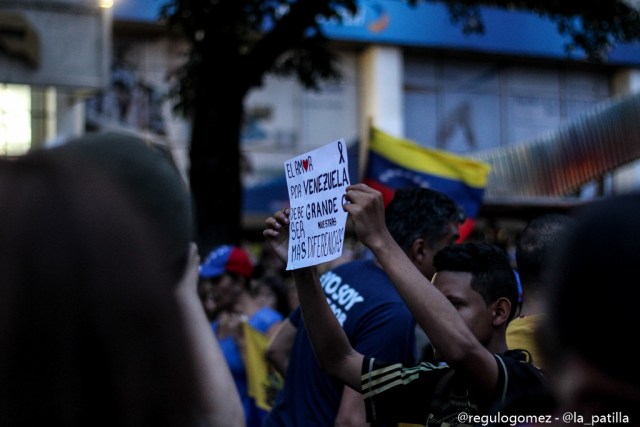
226	259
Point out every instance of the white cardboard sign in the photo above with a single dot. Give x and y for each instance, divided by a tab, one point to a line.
316	182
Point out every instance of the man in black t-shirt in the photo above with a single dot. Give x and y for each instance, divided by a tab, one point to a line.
478	281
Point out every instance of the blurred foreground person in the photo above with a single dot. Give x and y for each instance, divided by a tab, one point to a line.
532	249
152	182
591	311
147	176
91	331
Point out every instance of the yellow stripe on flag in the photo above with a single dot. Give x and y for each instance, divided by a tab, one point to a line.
440	163
262	379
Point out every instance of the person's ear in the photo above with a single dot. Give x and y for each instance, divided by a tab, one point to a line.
419	250
500	310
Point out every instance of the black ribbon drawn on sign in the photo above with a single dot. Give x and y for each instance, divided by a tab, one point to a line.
342	160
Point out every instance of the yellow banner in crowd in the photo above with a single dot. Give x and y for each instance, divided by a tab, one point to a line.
262	379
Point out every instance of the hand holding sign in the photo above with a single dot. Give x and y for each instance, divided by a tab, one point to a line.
277	233
316	181
366	209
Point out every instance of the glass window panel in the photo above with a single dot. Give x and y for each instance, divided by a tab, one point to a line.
470	77
469	123
15	119
587	86
420	117
419	73
532	82
530	117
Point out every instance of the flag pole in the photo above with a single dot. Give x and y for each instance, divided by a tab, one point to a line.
363	154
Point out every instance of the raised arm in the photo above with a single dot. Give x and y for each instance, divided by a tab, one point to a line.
219	399
280	346
330	344
446	329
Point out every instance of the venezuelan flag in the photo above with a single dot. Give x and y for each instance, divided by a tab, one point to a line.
395	163
263	382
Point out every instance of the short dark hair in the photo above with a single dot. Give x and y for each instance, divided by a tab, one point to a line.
492	275
533	246
89	323
421	213
152	181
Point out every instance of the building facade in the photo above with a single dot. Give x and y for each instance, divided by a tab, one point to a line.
53	54
406	70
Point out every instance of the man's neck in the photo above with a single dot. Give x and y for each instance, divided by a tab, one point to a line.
498	344
531	306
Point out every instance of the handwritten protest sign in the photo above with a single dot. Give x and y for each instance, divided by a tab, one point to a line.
316	181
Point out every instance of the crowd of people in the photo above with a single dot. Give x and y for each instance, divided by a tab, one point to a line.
112	316
575	267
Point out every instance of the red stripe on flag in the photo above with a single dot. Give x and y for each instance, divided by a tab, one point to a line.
387	192
465	229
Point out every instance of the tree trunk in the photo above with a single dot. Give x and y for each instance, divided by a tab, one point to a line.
215	168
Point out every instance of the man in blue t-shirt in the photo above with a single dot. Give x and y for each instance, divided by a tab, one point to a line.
370	311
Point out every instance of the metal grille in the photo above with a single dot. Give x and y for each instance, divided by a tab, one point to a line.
559	162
